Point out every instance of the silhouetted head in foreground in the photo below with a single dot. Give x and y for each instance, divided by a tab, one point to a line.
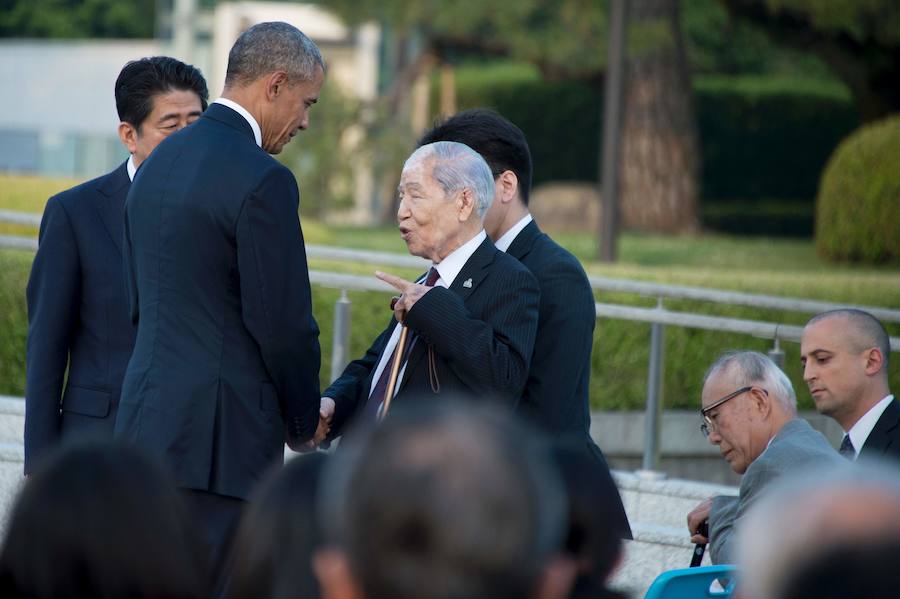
100	521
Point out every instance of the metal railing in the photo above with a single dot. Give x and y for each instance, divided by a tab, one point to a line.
658	317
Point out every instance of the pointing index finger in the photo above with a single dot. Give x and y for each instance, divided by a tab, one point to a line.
393	280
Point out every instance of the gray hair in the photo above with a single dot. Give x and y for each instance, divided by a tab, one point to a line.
752	367
413	503
457	167
865	332
269	47
803	515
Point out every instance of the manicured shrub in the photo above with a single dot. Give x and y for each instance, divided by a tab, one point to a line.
859	197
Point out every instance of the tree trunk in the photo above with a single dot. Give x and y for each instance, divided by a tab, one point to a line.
659	182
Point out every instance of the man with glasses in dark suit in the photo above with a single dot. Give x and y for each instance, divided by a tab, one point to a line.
749	412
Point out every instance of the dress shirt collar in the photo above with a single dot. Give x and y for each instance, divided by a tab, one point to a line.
450	266
507	238
129	166
860	431
257	132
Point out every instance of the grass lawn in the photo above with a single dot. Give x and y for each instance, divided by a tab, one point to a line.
774	266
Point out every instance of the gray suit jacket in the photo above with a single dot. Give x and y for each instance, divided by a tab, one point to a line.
796	447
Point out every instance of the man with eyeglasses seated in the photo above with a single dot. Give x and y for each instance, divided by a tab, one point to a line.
749	411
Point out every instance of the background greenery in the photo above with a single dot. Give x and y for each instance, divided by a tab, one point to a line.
783	267
764	140
857	207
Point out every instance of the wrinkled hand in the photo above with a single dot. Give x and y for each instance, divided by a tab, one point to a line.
326	414
410	293
696	517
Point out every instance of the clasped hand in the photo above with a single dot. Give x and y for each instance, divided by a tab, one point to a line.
326	414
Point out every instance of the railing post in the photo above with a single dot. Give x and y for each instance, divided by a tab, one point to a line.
340	346
654	395
776	353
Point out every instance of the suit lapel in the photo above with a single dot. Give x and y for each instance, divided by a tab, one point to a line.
472	273
228	116
524	241
113	189
474	270
880	439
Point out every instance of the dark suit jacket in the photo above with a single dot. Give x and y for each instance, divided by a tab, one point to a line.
884	440
226	360
482	337
77	317
557	394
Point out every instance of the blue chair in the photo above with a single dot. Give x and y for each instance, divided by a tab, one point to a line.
694	583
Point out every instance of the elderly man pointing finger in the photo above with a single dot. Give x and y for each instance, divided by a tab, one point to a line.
472	318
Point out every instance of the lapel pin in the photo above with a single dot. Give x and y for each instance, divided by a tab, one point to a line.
467	283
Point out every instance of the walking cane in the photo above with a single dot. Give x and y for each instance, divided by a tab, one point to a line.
700	548
395	369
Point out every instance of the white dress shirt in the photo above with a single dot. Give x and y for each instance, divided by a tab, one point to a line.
860	431
129	166
507	238
448	269
257	132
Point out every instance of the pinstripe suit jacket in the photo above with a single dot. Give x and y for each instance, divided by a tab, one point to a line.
482	337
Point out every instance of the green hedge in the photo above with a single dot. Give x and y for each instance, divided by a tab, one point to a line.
760	138
619	360
857	207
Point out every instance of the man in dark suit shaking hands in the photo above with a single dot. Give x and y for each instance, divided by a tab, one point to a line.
556	396
78	316
226	362
472	318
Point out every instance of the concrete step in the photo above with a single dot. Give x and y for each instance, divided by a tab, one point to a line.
663	502
12	419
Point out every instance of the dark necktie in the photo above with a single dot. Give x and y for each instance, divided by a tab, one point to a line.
370	412
846	448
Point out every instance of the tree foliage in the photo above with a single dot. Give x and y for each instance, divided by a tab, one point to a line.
77	18
562	37
858	39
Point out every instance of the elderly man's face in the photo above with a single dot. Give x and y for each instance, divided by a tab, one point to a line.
735	429
834	374
430	221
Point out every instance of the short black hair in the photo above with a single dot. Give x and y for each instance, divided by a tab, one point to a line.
141	80
101	520
499	141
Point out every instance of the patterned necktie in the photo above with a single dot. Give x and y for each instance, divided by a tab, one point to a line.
846	448
376	398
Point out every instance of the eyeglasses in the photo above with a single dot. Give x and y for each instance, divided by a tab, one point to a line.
708	425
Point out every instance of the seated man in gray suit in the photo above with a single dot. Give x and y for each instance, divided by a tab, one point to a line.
749	412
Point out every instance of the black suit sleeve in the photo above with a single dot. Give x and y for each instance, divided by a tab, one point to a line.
490	354
53	295
276	298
